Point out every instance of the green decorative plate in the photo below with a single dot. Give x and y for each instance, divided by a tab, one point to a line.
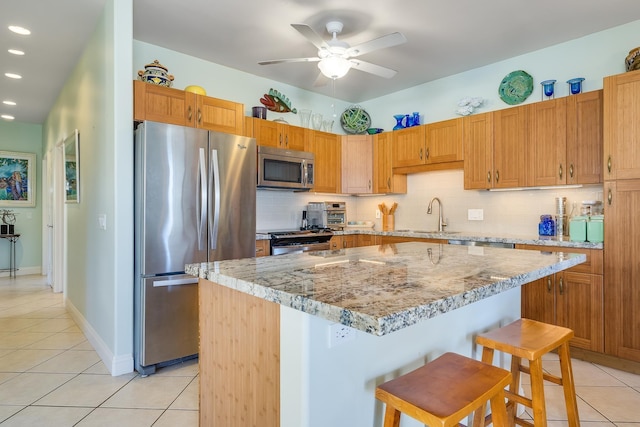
355	120
515	87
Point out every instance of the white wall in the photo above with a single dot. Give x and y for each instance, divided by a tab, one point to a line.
96	99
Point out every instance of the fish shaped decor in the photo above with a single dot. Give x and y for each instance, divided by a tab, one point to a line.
278	102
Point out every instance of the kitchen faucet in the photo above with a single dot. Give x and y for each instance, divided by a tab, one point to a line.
441	223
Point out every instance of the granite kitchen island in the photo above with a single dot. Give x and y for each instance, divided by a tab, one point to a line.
273	351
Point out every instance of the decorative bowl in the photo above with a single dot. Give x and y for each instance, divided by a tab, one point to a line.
355	120
199	90
632	62
156	73
373	131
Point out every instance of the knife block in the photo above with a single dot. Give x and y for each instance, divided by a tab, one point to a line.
388	222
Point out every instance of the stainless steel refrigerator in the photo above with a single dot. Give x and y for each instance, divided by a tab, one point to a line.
195	201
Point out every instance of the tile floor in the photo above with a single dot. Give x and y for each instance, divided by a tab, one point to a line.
51	376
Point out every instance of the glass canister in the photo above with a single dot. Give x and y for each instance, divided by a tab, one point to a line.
595	229
578	228
547	226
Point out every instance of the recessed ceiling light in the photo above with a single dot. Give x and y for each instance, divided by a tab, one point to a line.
7	117
13	75
19	30
7	102
16	52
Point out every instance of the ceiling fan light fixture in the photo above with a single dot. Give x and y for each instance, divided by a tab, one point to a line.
334	67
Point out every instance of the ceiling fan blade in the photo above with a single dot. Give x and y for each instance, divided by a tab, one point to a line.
280	61
311	35
383	42
368	67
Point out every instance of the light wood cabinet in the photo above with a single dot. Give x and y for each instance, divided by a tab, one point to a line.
327	168
262	248
622	268
621	132
408	146
367	240
178	107
343	241
495	145
357	164
584	138
280	135
573	298
547	133
384	180
444	142
478	151
509	147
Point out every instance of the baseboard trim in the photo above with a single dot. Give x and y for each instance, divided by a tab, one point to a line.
606	360
117	365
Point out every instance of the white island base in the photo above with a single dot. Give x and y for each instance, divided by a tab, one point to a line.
268	365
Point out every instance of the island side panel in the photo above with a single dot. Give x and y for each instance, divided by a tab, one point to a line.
239	359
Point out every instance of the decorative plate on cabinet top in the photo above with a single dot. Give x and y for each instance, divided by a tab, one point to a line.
515	87
355	120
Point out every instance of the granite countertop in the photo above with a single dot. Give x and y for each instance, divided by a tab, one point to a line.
466	235
382	289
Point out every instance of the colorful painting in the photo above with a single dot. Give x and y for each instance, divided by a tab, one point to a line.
17	179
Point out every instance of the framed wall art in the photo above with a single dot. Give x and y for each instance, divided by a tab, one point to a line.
17	179
72	168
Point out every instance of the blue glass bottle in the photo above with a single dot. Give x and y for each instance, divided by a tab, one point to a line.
416	118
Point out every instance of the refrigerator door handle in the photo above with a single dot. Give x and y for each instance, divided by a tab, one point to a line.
214	218
201	202
175	282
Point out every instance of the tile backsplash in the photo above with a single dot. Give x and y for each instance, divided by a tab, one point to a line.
512	212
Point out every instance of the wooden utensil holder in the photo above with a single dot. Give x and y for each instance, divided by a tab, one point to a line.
388	222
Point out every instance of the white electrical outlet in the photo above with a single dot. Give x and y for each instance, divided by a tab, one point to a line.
378	213
340	334
475	214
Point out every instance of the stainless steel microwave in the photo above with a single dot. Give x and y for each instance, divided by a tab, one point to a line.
285	169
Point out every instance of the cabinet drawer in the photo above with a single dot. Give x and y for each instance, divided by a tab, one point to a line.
592	265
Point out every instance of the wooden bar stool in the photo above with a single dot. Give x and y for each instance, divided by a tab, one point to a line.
444	391
529	339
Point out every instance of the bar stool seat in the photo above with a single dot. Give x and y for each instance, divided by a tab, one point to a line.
530	339
444	391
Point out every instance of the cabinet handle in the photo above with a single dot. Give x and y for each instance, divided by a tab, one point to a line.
609	197
489	177
189	113
561	286
609	164
199	116
286	141
497	176
549	284
571	170
560	170
427	156
280	140
389	183
369	184
421	154
344	243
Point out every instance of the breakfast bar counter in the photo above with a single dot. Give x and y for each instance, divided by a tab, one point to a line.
303	339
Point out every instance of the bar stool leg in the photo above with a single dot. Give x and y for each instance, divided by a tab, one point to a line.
568	385
391	417
537	393
498	411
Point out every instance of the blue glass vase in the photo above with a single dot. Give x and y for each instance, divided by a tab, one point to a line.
575	85
547	88
399	118
416	118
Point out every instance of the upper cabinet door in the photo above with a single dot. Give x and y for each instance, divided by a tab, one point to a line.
219	115
509	147
443	142
478	151
408	147
584	138
162	104
547	156
622	126
357	164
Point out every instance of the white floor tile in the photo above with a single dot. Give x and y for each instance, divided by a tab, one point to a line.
32	416
111	417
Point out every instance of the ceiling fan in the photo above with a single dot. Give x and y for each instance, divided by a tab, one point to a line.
335	58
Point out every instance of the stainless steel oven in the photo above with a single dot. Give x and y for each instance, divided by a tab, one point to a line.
287	242
327	215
